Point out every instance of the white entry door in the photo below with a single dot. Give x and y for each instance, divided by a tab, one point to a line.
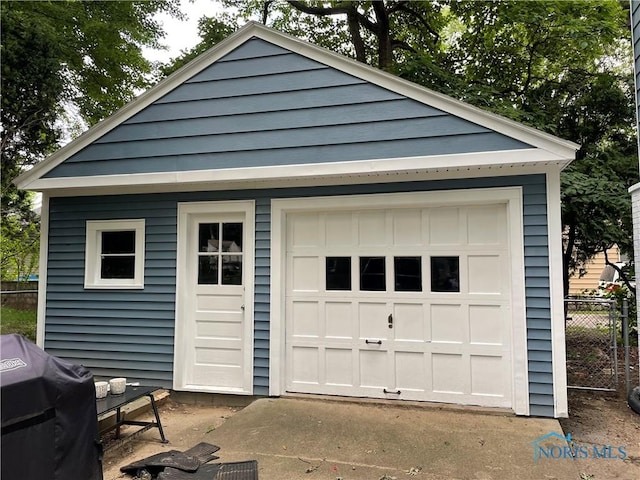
215	298
406	303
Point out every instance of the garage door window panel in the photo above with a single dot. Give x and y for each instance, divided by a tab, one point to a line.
373	274
338	273
407	274
445	274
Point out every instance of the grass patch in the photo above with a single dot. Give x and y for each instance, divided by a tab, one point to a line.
22	322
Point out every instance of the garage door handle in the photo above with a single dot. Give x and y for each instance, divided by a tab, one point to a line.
377	342
397	392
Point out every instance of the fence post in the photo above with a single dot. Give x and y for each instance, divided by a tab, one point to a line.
625	339
613	324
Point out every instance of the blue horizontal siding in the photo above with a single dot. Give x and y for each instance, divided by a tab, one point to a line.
252	109
130	332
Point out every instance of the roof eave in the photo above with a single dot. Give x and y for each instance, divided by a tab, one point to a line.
476	164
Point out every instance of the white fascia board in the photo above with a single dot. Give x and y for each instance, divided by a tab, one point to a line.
562	148
467	162
361	179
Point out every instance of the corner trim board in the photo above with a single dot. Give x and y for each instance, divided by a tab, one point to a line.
42	278
558	345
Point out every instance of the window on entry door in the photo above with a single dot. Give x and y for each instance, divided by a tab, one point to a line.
220	251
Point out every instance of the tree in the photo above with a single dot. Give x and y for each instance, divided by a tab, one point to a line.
60	55
379	33
19	249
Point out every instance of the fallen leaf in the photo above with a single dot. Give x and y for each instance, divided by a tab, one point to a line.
413	471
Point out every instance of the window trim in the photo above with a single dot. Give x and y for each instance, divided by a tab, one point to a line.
93	250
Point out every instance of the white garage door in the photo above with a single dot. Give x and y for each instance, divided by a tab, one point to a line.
400	303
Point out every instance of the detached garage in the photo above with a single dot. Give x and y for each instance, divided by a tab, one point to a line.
275	218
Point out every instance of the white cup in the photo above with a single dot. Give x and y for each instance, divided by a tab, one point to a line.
117	385
101	389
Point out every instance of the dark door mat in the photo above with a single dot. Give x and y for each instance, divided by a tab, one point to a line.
217	471
155	463
205	472
238	471
203	452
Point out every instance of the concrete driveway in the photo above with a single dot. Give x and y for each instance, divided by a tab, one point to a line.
317	439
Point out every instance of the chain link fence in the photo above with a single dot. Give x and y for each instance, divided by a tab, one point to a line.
592	344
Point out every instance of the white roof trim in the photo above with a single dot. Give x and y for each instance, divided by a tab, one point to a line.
508	162
562	148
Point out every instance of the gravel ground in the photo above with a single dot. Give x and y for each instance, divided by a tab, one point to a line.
597	419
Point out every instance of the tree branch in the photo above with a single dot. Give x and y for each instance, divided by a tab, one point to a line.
356	37
404	6
265	11
321	11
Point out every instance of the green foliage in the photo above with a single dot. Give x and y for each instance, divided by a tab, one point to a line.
508	48
22	322
19	247
67	54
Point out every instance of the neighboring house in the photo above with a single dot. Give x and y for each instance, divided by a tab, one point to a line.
388	241
596	272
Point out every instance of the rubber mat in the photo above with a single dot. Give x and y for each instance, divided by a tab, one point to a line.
217	471
203	451
238	471
155	463
205	472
